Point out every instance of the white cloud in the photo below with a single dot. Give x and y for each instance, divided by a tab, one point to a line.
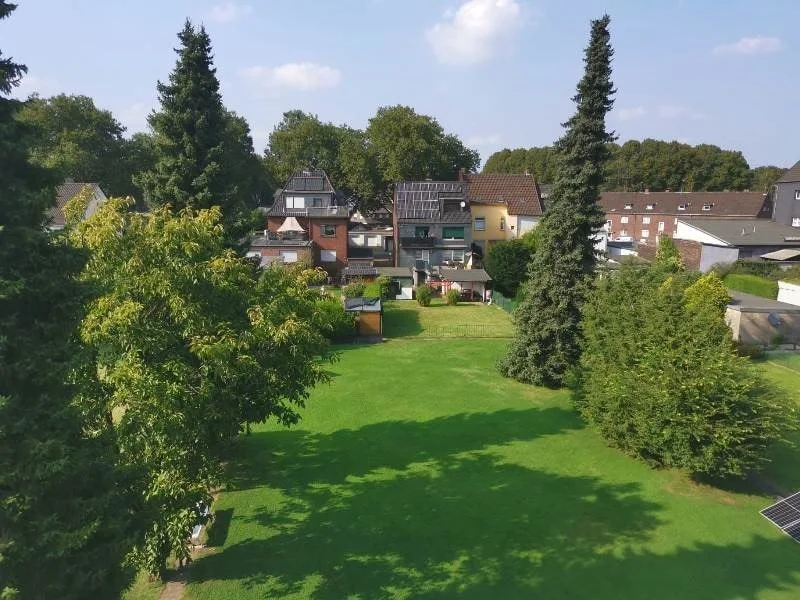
229	12
475	32
303	76
750	45
632	114
483	141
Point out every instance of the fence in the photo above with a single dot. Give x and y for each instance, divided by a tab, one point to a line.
467	331
507	304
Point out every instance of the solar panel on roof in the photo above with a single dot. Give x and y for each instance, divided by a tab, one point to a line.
785	514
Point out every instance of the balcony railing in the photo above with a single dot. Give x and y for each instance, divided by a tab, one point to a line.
326	211
274	241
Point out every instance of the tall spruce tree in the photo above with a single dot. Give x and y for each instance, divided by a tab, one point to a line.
193	167
548	320
62	529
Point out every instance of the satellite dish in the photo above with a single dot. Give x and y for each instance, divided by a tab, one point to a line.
774	319
463	204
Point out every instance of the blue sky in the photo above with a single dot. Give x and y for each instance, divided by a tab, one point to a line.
499	73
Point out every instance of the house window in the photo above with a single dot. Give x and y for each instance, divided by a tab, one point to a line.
706	207
422	255
327	256
645	233
650	207
623	233
796	222
479	224
327	230
453	256
623	219
797	194
373	241
453	233
421	232
628	206
316	202
645	220
502	223
288	256
660	226
681	207
295	202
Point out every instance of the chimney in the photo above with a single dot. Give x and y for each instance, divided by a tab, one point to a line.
646	190
527	173
462	174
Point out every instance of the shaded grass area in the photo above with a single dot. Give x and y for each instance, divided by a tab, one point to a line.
409	319
752	284
420	473
783	369
144	589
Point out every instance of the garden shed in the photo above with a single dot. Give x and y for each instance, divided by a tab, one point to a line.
369	316
761	321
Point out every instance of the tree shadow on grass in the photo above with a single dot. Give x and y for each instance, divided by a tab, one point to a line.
401	322
218	531
436	510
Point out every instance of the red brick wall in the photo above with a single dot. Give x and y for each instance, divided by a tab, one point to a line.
337	243
689	250
302	253
636	223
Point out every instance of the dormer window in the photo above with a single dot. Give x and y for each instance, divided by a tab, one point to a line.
650	207
681	207
707	206
629	206
797	194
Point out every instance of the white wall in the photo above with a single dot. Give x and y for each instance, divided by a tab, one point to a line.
525	224
688	232
789	293
714	255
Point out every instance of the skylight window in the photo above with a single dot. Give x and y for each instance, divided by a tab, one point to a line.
681	207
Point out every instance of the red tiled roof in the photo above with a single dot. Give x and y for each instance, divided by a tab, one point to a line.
723	204
518	192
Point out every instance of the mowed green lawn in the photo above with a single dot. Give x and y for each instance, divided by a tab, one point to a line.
420	473
784	370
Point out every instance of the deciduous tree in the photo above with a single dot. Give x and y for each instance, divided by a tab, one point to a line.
547	341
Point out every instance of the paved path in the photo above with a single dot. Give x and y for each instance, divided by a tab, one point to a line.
174	588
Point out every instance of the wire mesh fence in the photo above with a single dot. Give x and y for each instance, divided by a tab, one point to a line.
507	304
476	330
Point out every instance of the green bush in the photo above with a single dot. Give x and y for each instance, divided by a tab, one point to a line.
752	284
372	290
332	319
354	290
424	295
507	264
452	297
661	380
750	350
384	284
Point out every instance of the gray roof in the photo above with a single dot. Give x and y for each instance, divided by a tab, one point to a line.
749	303
394	271
362	304
309	180
423	201
792	175
466	275
748	232
360	270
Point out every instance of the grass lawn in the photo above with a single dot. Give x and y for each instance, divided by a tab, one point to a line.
144	589
783	369
408	318
420	473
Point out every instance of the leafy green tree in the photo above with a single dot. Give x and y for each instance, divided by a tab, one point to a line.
195	162
413	146
63	529
765	177
707	293
668	258
539	162
547	340
660	379
507	264
188	346
77	140
138	157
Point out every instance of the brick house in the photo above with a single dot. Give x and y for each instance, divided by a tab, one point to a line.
309	220
644	216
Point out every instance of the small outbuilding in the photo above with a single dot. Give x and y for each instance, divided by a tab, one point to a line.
472	283
369	316
761	321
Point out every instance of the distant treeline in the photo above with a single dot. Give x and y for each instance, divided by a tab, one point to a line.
651	164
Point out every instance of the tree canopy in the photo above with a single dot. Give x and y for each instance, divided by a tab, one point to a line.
547	340
650	164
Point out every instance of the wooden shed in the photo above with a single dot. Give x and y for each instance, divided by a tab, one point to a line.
369	317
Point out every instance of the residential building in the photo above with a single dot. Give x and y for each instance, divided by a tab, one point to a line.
729	240
66	192
432	226
644	216
786	196
503	206
370	240
308	216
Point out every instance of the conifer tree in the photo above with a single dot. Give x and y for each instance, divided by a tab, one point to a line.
547	341
193	167
62	524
